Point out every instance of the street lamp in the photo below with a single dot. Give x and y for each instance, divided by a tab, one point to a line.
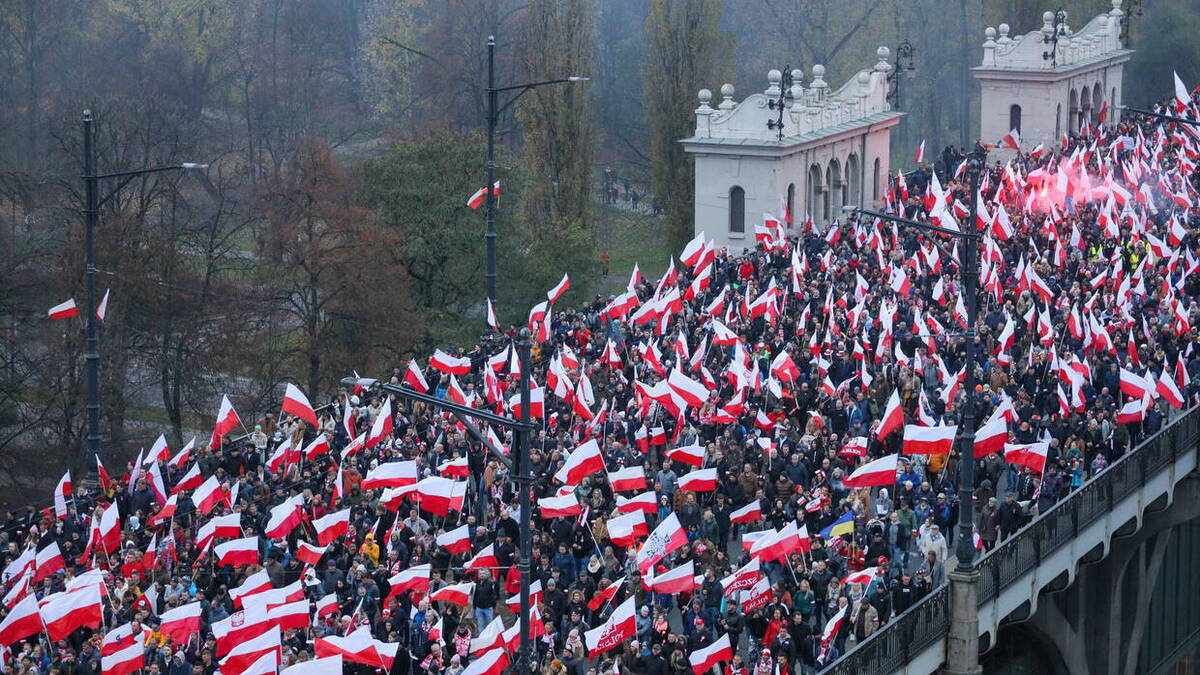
964	548
493	115
1161	116
1058	29
91	212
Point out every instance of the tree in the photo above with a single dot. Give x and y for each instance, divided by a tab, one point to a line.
685	50
327	263
560	141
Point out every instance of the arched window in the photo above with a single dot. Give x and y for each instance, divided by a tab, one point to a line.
1085	107
813	202
737	209
876	184
1058	120
853	180
1097	102
1014	117
791	203
1073	111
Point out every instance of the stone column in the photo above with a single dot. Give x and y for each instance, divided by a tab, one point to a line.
962	644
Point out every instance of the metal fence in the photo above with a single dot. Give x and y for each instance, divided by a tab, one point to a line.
890	647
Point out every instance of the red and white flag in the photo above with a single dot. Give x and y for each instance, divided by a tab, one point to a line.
646	502
359	647
455	594
391	474
242	655
881	471
242	551
62	492
415	578
436	494
290	614
628	478
491	317
330	665
619	627
583	461
480	195
920	157
240	627
700	480
179	623
102	308
451	365
65	310
919	440
48	561
181	458
1032	455
691	391
688	454
559	506
209	494
556	292
124	660
331	526
457	540
72	610
721	650
492	662
296	403
667	537
679	580
1011	140
624	529
227	421
991	437
747	514
21	622
893	417
285	517
743	577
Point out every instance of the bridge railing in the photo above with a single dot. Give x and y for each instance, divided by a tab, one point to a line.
892	646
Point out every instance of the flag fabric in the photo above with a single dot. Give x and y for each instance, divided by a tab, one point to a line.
479	196
721	650
919	440
21	621
583	461
179	623
64	310
296	403
618	628
72	610
843	525
1032	455
881	471
227	420
668	536
329	665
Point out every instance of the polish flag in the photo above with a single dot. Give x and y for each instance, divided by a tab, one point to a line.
492	662
457	540
619	627
242	655
606	594
537	403
833	626
629	478
48	561
485	559
1133	411
554	293
779	545
179	623
290	614
381	429
454	468
414	378
296	403
645	502
359	647
242	551
455	594
700	480
721	650
239	627
256	583
391	474
64	311
881	471
160	451
919	440
667	537
748	513
285	517
1182	98
267	664
106	481
331	526
560	506
991	437
166	512
691	391
1168	391
1134	385
1011	140
62	492
757	595
209	494
744	577
73	610
319	446
436	494
491	317
330	665
480	195
690	454
678	580
920	153
102	308
415	578
192	480
893	417
227	421
624	529
583	461
451	365
21	622
327	605
181	457
122	661
1032	455
107	533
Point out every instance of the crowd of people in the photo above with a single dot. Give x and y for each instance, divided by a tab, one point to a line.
731	406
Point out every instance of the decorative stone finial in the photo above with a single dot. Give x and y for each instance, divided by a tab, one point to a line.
1048	23
1004	38
1116	8
705	96
818	82
727	94
774	77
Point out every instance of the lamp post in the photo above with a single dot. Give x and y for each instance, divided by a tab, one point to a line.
783	102
494	110
1058	30
962	648
91	213
1161	116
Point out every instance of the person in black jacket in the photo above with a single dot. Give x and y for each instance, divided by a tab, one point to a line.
904	594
